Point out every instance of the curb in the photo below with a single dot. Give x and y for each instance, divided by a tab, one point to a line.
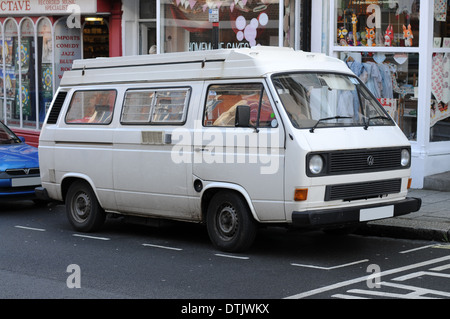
417	232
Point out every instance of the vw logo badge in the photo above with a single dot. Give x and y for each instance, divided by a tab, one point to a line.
370	160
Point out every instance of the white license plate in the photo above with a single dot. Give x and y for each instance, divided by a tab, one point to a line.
26	181
376	213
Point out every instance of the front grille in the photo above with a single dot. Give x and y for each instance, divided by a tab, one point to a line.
23	172
364	190
359	161
365	160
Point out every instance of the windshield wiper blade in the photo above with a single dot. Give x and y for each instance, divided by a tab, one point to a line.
328	119
381	117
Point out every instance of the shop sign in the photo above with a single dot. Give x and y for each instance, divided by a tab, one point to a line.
47	7
67	49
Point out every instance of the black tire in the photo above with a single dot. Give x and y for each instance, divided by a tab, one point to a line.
230	225
83	210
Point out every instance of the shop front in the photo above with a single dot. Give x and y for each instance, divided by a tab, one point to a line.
39	40
165	26
400	48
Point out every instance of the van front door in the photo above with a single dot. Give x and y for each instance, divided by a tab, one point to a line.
249	159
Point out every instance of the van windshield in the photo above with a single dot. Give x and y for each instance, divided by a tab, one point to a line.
319	100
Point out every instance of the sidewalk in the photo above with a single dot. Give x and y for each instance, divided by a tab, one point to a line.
431	222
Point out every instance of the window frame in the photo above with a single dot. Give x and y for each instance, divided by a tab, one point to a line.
91	123
264	90
187	89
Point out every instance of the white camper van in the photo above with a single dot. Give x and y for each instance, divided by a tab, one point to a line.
233	139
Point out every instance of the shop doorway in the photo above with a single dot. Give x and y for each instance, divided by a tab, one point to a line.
95	38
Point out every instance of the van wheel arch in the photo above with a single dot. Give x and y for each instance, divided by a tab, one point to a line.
83	209
68	181
209	193
229	221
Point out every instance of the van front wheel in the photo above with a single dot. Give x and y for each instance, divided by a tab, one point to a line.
230	225
83	210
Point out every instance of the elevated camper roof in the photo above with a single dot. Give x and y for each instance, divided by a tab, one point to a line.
200	65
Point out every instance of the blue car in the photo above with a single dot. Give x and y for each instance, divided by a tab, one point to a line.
19	166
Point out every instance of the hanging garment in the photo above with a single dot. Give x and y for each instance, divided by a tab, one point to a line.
403	6
437	76
440	10
375	81
388	90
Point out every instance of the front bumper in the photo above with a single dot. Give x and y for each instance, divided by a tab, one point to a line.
42	194
353	215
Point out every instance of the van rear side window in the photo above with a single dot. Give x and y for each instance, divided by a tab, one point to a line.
91	107
156	106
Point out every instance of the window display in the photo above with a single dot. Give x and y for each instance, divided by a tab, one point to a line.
10	47
188	25
373	23
440	74
393	79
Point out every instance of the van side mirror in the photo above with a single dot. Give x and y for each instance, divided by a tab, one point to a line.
242	118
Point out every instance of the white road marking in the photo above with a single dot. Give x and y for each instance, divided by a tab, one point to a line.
441	268
342	296
91	237
415	292
365	278
29	228
163	247
232	256
420	274
415	249
331	268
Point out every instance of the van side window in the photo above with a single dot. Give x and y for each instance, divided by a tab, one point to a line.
223	99
155	106
91	107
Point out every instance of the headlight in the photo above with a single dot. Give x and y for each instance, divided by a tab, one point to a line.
405	158
316	164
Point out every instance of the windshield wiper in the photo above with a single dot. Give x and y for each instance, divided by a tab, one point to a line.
328	119
381	117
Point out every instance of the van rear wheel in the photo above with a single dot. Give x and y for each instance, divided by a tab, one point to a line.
83	210
230	225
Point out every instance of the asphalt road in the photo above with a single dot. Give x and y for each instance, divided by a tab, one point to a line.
42	257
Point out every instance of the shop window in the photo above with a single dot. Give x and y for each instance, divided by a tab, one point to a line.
67	48
186	24
95	39
155	106
374	23
392	78
223	99
440	74
91	107
45	67
10	74
147	37
147	27
26	93
2	77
